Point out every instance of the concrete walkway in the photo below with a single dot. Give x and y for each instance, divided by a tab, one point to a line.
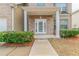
20	51
4	51
42	47
14	51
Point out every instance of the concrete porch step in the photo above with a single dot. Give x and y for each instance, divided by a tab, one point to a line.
44	36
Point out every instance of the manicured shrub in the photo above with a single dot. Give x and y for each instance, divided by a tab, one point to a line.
16	37
69	33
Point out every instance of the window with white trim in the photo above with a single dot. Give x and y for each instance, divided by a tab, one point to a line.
40	4
63	23
62	6
3	25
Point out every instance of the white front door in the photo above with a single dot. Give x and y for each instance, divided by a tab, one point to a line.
40	26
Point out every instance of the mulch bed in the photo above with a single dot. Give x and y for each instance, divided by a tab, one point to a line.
77	38
74	38
66	46
18	44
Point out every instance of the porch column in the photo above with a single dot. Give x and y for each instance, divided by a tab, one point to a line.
57	24
25	20
13	26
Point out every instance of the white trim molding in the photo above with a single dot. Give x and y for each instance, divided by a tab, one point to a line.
44	21
57	24
25	20
13	26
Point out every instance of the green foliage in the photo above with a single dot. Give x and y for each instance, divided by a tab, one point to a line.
16	37
69	33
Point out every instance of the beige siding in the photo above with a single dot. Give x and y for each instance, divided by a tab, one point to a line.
46	4
69	7
75	20
19	19
5	13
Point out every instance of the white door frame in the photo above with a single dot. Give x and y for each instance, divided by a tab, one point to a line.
37	24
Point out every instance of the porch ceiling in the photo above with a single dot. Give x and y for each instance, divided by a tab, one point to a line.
40	10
